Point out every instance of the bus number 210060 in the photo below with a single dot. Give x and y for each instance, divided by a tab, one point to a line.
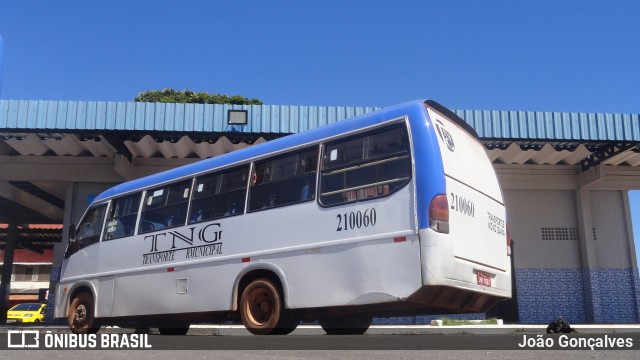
356	219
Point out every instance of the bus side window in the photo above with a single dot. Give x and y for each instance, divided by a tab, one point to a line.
284	180
122	215
219	195
88	231
365	166
165	207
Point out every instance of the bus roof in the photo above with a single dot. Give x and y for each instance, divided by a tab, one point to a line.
413	109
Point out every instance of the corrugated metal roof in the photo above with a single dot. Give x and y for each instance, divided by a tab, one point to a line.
553	125
136	116
78	116
34	239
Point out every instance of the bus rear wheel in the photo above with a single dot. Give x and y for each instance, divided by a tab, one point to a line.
345	325
288	323
81	318
177	329
262	309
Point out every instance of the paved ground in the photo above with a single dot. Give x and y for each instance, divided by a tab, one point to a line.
317	355
426	329
239	330
310	342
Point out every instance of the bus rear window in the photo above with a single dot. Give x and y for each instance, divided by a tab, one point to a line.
365	166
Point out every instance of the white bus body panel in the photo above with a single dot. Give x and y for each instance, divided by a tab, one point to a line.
477	237
321	266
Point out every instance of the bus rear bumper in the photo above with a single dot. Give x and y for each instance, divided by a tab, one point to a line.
450	300
458	283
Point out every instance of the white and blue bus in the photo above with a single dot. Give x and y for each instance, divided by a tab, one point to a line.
396	212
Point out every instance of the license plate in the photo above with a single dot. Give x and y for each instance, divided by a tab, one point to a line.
484	279
9	321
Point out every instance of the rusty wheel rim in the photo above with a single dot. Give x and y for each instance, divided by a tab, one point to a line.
80	315
260	309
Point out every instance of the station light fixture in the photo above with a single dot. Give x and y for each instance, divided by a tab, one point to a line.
237	117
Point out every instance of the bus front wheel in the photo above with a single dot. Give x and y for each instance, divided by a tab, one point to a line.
81	318
262	309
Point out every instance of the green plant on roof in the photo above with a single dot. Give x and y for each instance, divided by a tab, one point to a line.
169	95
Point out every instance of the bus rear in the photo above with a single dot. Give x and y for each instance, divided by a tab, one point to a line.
465	248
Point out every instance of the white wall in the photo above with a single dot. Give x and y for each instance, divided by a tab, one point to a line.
528	212
609	219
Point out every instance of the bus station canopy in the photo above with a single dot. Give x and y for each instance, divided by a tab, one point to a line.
45	145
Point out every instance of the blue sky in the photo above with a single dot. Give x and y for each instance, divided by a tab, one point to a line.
541	55
502	55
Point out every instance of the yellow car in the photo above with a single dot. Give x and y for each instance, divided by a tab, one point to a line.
26	313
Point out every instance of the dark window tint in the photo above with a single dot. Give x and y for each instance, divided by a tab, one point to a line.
365	166
122	216
345	152
392	141
88	231
283	180
219	194
165	207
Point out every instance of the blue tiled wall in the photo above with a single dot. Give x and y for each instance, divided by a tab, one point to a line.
418	320
545	294
51	302
578	295
618	295
605	296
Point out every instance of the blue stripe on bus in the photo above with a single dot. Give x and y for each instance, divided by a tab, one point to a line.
429	169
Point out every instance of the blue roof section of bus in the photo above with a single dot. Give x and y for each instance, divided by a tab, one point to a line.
415	110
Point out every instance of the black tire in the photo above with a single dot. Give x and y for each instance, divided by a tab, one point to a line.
289	322
262	309
177	329
345	325
81	318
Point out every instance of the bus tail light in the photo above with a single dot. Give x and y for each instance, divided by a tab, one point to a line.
439	214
